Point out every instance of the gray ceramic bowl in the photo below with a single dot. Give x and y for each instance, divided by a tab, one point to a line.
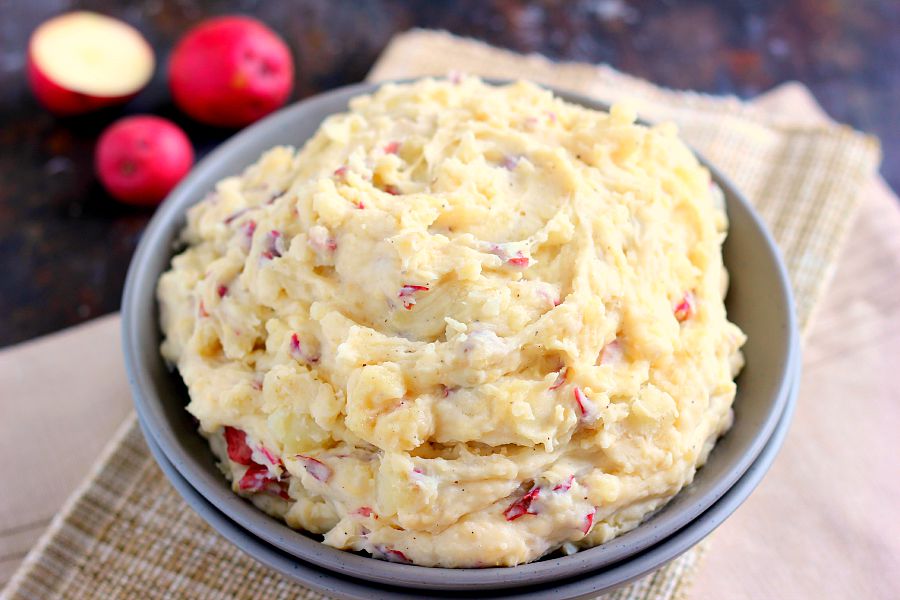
759	301
588	585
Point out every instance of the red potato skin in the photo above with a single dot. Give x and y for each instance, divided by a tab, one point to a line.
65	102
230	71
140	159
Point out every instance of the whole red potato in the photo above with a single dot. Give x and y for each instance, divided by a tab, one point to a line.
140	159
230	71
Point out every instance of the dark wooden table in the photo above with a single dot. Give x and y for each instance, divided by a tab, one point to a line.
65	246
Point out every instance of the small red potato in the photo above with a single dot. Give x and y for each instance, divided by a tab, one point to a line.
140	159
230	71
82	61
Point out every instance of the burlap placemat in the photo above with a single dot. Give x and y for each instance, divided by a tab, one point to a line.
126	532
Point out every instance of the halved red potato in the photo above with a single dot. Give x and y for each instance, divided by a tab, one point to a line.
82	61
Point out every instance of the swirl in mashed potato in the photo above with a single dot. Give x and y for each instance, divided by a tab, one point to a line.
463	325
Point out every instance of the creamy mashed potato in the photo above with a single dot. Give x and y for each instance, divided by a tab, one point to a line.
462	326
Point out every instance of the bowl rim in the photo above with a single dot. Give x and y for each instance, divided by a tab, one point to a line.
148	403
600	581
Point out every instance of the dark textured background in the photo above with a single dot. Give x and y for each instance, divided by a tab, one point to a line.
65	246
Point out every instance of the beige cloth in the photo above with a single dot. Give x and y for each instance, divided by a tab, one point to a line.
824	523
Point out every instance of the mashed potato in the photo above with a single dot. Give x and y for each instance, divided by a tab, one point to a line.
463	326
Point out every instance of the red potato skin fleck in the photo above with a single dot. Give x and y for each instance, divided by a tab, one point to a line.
398	556
235	215
282	491
560	379
365	511
230	71
319	246
510	162
588	522
270	457
201	310
238	450
274	235
392	147
611	352
255	479
519	261
392	555
272	250
522	506
222	290
407	291
581	400
588	412
319	470
685	308
297	350
565	486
